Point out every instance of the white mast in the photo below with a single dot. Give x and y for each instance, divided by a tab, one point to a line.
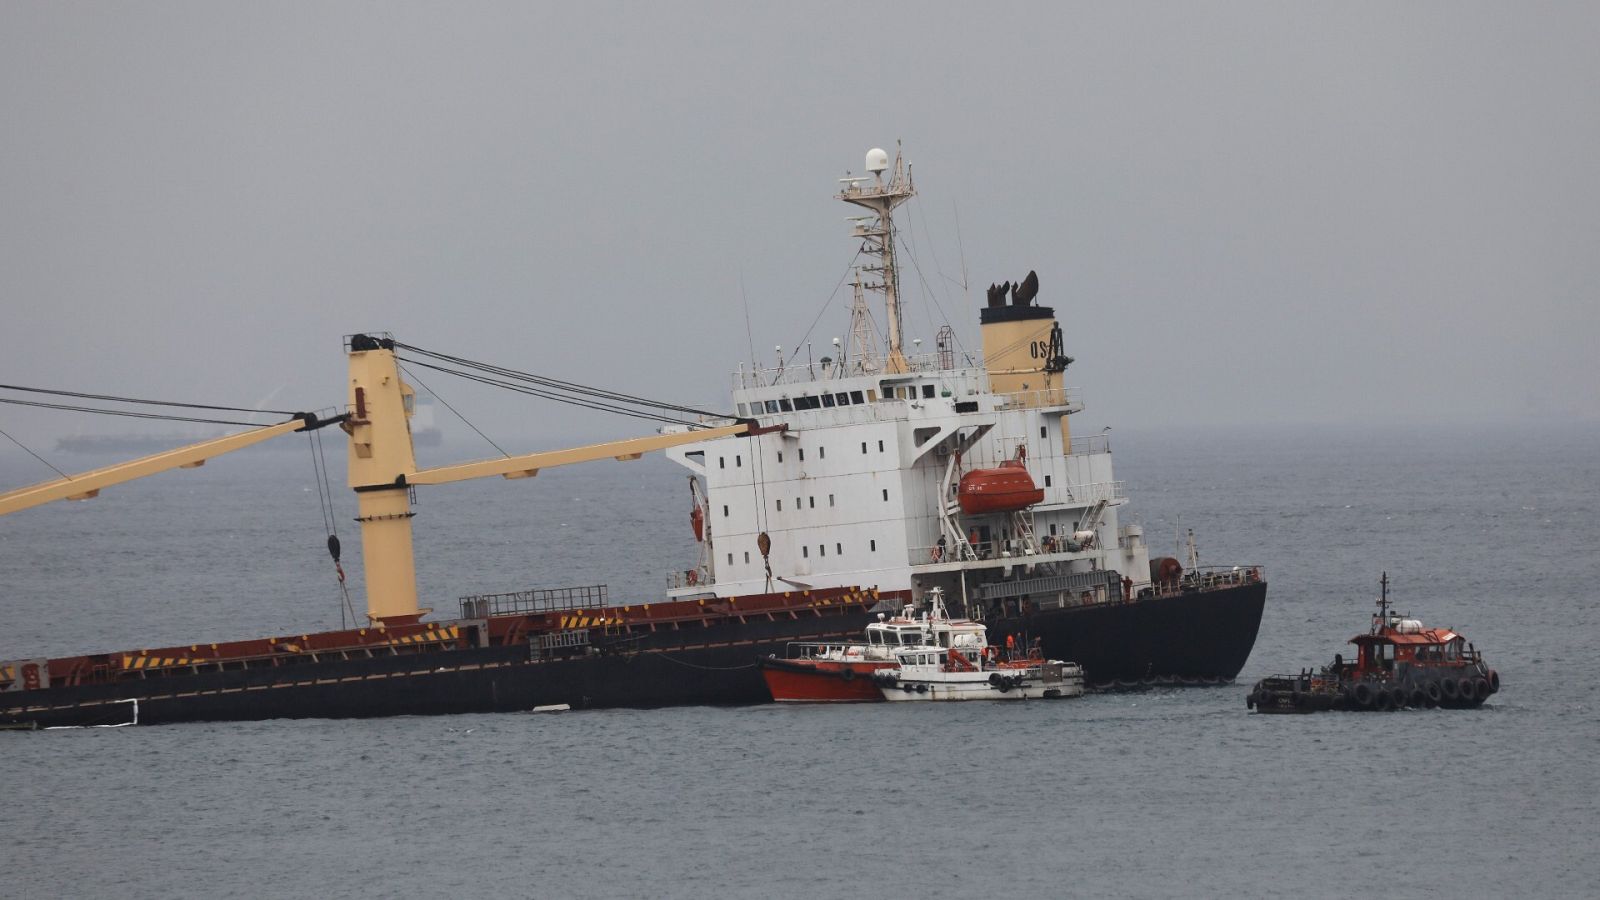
863	341
877	234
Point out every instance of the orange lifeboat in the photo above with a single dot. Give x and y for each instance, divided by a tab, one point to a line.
697	521
1007	488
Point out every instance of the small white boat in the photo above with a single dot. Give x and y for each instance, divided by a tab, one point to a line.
963	673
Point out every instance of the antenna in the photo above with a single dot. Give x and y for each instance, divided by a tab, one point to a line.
877	235
747	335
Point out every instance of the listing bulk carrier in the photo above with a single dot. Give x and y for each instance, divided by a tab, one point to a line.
836	491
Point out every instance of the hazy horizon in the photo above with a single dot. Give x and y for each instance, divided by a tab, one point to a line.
1243	214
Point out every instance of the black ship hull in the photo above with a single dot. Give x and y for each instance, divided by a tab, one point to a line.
1198	637
1189	638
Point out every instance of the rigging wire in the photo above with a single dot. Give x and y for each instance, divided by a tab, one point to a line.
35	455
555	384
928	289
319	464
933	251
413	376
128	413
115	399
829	302
560	398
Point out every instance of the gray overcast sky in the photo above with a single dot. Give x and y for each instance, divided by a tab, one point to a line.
1346	213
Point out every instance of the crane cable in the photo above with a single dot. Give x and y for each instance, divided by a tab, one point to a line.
558	389
319	465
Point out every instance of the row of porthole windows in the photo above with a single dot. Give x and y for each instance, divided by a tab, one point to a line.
811	503
908	392
806	401
843	398
822	453
822	550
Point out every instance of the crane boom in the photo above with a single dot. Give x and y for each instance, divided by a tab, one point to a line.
89	484
529	464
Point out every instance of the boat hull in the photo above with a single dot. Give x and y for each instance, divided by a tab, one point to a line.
1200	637
1196	638
808	681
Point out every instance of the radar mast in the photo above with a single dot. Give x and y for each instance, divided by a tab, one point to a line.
877	234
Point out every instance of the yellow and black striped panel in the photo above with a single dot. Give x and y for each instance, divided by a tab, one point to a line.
435	634
159	662
568	622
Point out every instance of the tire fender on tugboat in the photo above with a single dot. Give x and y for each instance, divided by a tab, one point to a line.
1362	694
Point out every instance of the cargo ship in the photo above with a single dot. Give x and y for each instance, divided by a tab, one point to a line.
832	491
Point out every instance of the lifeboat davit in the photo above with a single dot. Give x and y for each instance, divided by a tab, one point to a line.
1007	488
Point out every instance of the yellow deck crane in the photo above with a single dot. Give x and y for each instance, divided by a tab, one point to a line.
383	469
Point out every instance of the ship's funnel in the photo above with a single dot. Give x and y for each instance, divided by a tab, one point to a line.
1022	347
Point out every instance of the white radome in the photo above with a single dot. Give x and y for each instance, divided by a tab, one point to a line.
877	160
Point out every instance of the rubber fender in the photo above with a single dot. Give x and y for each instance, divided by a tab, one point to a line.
1363	695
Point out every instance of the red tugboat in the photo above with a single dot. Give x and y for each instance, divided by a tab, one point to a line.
1398	664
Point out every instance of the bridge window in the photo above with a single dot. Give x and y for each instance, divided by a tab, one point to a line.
844	399
927	391
827	399
785	405
855	397
772	407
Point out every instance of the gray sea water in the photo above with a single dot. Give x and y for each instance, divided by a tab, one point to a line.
1495	532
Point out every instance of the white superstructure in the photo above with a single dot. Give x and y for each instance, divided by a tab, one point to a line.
859	486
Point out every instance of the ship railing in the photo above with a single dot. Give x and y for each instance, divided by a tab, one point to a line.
1210	578
1095	491
798	372
978	550
1068	397
814	649
1094	443
534	601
